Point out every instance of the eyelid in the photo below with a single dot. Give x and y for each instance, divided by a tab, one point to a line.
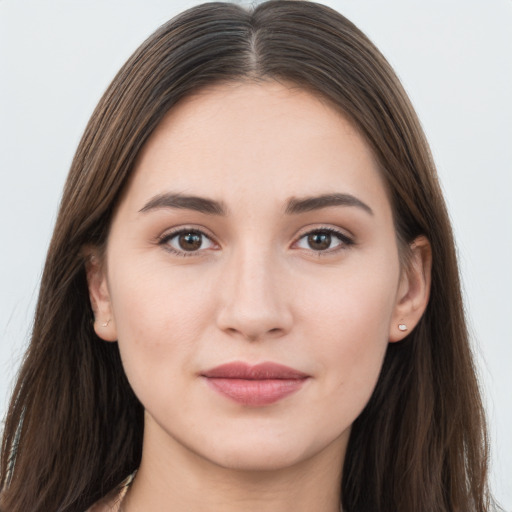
186	227
346	240
325	227
168	234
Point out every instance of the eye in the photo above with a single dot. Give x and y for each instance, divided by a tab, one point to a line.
324	240
186	241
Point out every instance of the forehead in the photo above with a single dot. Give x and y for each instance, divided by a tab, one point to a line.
266	140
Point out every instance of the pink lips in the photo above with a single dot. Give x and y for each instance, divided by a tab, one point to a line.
262	384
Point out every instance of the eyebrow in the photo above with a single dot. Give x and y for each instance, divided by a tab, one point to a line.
212	207
307	204
177	200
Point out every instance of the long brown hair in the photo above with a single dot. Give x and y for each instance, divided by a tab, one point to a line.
74	427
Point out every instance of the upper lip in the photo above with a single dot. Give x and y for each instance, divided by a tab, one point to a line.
261	371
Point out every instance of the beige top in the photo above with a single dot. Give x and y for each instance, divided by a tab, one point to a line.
112	501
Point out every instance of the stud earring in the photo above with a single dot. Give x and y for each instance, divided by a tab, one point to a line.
402	327
106	323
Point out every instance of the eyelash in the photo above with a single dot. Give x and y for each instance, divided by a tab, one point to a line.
345	240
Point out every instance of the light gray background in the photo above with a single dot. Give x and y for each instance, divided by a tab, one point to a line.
453	56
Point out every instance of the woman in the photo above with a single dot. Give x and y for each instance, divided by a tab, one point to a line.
251	299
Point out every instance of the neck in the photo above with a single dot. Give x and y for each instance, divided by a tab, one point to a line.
171	477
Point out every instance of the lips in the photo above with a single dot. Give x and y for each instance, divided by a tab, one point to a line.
262	384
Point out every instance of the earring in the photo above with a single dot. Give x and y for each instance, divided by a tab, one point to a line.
106	323
402	327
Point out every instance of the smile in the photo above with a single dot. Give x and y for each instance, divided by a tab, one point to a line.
262	384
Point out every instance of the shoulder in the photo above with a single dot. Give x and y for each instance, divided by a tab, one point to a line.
112	501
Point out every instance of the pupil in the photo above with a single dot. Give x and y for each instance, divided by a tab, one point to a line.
319	241
190	241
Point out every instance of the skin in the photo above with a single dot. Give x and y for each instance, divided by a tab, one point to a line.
254	290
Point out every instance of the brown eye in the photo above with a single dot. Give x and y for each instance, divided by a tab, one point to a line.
187	242
190	241
319	241
324	240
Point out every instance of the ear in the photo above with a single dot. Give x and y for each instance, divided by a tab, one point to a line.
104	321
413	290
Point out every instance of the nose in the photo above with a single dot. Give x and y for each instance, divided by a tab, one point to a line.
254	301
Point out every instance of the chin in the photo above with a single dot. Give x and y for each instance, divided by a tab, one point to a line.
265	452
258	458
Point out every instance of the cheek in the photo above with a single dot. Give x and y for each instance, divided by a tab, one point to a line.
159	318
349	320
153	303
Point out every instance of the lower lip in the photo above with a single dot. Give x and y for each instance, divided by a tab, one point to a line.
255	392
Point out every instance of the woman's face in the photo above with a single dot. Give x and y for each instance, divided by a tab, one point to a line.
255	229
